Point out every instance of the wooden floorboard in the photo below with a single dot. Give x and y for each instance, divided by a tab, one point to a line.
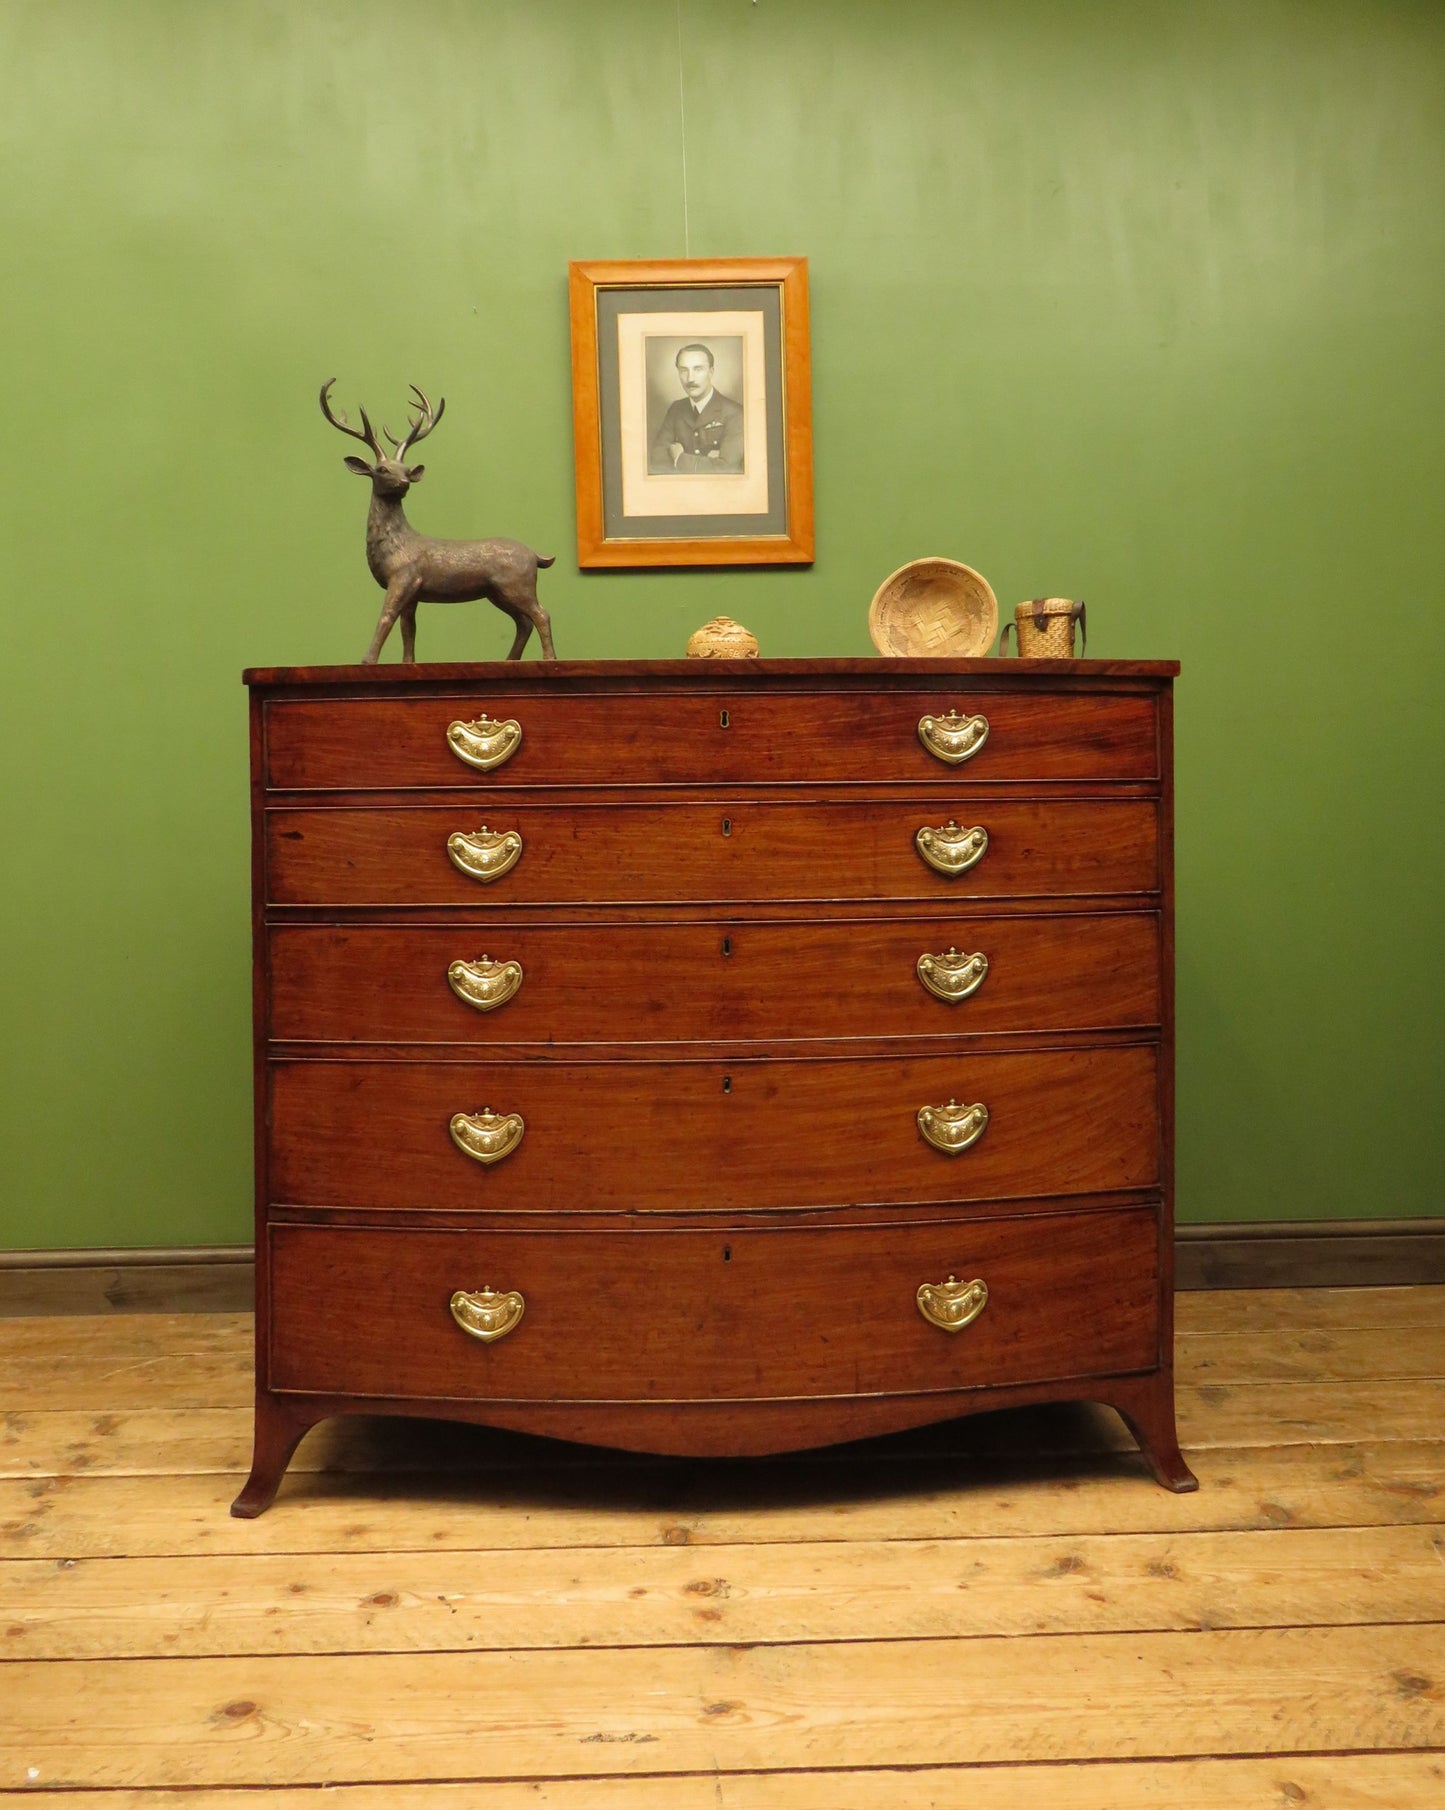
998	1612
1388	1781
633	1502
758	1594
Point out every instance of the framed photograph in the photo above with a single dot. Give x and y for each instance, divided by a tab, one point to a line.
692	412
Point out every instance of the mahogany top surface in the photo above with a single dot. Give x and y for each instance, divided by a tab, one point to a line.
706	672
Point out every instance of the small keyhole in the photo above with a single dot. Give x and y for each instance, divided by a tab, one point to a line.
724	720
727	1084
727	826
727	945
727	1253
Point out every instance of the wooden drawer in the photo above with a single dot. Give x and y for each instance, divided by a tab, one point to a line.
723	736
617	854
696	1316
634	982
659	1137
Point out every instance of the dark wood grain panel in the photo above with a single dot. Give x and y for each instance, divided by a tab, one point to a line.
679	982
719	735
726	852
661	1137
703	1316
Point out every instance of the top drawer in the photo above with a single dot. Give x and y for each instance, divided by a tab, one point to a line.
690	737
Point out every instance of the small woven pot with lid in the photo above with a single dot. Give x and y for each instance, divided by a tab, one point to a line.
1045	628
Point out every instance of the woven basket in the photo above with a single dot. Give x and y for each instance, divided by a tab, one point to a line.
1045	628
722	639
933	609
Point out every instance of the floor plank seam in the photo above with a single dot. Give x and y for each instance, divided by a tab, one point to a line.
741	1646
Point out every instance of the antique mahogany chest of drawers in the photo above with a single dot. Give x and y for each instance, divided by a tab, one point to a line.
712	1056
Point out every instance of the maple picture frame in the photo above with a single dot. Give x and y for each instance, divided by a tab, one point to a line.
672	475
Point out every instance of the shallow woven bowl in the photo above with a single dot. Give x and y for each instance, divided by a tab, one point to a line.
933	608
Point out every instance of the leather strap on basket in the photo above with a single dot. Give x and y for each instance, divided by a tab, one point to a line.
1076	613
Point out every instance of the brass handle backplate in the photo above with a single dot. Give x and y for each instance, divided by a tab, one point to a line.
484	743
484	984
485	854
950	849
951	976
486	1314
954	738
486	1136
953	1128
952	1305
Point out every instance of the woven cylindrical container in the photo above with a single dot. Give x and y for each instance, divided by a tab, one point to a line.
1045	628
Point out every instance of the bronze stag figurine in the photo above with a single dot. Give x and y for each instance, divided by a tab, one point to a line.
416	568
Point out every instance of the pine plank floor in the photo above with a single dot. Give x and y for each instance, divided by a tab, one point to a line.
997	1613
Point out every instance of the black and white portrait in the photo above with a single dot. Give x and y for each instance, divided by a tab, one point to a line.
695	412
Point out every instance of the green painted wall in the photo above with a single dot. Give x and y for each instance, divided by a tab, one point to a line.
1140	302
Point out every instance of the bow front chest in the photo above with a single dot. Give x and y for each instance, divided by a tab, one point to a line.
712	1057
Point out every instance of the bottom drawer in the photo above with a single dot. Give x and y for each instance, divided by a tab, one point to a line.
654	1316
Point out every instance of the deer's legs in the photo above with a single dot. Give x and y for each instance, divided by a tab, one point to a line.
400	594
544	629
524	630
408	634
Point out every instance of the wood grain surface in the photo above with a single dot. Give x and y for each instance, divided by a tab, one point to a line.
683	1316
723	733
990	1615
727	851
549	1714
650	1137
607	983
1374	1781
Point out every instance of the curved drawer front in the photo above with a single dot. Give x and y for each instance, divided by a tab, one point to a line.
617	854
654	1137
711	1316
699	982
708	738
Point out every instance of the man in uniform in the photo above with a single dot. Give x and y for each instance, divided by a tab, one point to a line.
703	430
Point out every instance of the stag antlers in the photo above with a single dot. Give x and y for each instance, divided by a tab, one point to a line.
427	418
367	434
421	427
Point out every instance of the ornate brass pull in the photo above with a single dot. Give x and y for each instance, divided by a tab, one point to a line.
953	738
487	1315
953	1128
487	1136
951	976
952	1305
950	849
484	743
484	984
485	854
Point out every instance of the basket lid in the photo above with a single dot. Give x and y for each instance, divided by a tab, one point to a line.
1038	609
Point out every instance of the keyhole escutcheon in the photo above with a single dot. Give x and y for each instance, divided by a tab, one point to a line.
724	721
727	826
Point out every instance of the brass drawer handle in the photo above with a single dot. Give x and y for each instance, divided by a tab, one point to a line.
950	849
487	1315
952	1305
951	976
487	1136
484	743
953	738
484	984
953	1128
485	854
